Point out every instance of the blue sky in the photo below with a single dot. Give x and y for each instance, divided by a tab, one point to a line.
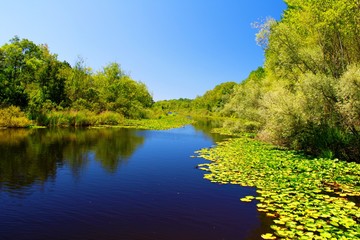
178	48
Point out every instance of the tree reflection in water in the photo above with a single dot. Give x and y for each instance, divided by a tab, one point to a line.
34	155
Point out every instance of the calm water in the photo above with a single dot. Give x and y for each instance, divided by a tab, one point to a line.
116	184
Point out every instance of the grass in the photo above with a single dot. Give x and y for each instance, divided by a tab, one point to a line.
307	198
163	123
83	118
14	117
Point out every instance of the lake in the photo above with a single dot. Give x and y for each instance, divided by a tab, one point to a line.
117	184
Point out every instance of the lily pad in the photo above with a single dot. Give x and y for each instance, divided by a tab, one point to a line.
268	236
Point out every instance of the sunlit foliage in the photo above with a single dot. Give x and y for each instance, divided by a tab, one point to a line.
307	95
307	198
34	79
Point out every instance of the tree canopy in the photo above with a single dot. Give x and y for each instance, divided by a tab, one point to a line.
34	79
307	95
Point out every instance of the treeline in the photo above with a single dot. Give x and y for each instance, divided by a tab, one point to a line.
34	80
209	104
307	94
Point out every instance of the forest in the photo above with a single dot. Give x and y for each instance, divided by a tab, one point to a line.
305	97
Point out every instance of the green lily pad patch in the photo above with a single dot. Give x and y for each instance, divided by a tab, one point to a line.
307	198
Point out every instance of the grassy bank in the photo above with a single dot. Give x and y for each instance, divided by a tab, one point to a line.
307	198
13	117
162	123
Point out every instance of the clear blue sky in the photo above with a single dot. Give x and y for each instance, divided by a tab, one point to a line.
178	48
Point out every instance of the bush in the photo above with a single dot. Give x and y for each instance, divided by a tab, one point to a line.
109	118
13	117
70	118
349	98
83	118
320	115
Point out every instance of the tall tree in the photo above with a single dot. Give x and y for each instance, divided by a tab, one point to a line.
18	65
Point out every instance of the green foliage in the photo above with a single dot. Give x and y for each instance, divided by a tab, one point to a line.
306	197
19	61
109	118
307	95
307	103
118	92
163	123
262	37
314	36
214	100
33	79
245	102
49	79
211	103
181	105
82	118
79	81
348	92
13	117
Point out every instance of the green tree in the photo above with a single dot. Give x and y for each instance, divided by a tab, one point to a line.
214	100
50	80
306	97
80	86
18	65
307	58
118	92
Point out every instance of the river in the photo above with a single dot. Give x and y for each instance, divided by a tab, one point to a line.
117	184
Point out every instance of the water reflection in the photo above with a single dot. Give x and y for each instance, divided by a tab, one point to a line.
29	156
158	195
205	125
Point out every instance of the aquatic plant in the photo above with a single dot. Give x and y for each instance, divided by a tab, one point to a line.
308	198
163	123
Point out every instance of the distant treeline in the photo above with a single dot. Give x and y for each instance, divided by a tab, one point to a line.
34	80
307	94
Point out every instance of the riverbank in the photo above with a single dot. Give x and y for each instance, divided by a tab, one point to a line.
308	198
13	117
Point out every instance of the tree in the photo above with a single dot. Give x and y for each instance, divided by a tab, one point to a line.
214	100
18	65
80	86
50	80
309	52
118	92
244	102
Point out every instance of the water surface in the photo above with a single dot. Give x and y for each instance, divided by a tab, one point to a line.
117	184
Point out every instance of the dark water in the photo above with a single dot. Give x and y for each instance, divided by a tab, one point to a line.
116	184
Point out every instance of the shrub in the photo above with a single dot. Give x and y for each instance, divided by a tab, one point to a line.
71	118
13	117
319	115
109	118
349	98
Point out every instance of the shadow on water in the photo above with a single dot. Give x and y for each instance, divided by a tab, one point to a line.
33	155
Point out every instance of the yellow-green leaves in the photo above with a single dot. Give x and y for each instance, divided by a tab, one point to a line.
293	189
268	236
247	199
